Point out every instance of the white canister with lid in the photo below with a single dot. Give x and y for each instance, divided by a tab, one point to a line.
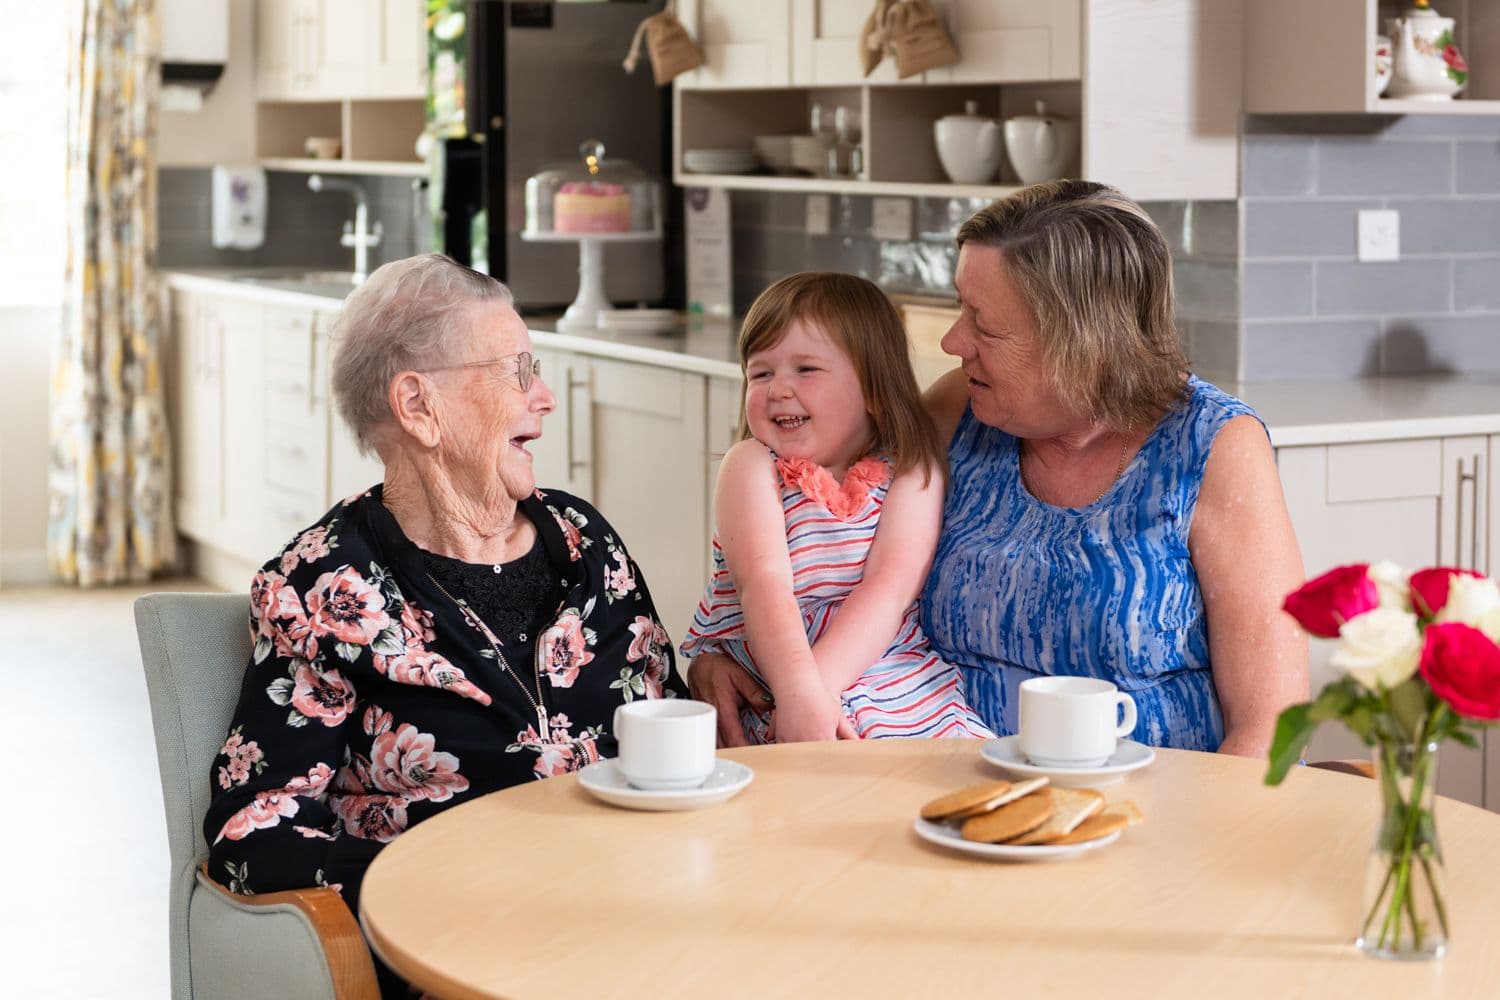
1041	147
968	145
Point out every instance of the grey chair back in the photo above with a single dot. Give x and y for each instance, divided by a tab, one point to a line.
194	648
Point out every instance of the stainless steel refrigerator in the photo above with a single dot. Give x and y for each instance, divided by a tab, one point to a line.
535	81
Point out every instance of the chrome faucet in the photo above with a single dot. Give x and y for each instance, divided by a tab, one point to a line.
357	234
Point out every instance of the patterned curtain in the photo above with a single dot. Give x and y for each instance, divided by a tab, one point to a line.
110	472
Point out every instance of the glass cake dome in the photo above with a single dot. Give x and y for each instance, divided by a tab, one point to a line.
592	196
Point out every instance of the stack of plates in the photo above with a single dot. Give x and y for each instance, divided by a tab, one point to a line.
720	161
638	320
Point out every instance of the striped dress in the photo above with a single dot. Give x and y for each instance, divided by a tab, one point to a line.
909	691
1020	588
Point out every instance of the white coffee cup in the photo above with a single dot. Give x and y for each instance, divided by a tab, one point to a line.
1071	721
666	743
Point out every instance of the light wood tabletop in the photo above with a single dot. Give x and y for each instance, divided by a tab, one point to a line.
812	883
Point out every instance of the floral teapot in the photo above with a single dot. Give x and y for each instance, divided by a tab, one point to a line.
1427	65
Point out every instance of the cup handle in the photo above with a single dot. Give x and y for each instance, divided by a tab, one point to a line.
1121	698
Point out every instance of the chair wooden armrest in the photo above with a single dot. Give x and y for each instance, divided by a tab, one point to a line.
1362	768
349	959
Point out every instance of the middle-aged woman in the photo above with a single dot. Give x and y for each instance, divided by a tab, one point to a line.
1109	515
450	632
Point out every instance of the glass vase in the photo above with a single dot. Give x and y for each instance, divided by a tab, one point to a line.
1405	912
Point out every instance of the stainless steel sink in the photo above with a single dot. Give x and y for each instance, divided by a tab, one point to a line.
330	284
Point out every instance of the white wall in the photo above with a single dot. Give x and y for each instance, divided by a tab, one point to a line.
33	85
224	130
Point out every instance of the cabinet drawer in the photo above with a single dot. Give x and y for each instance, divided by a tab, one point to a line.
289	335
286	513
1385	470
296	460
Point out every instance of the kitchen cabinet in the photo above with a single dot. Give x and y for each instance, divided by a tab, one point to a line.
345	68
743	44
1320	58
1418	502
1165	128
195	401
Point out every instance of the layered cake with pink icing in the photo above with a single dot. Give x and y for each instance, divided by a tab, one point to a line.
591	207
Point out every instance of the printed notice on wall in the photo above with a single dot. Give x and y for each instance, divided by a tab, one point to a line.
708	260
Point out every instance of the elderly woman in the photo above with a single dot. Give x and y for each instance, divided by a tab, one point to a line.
1108	515
453	631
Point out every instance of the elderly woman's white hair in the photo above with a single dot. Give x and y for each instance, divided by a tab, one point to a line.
408	315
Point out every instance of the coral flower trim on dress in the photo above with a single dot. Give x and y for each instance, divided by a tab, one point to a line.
843	500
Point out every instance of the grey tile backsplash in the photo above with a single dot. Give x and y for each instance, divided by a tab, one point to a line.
1310	308
302	228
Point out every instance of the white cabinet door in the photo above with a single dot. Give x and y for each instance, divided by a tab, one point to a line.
825	45
1011	40
196	402
744	44
398	51
1464	538
278	48
1161	97
1358	503
295	424
244	533
724	409
559	458
339	37
647	466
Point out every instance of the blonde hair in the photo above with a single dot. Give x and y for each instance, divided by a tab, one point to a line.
856	315
1096	273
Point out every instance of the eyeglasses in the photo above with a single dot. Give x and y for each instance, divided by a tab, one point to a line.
527	367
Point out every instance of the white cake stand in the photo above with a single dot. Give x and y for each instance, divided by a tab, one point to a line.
583	314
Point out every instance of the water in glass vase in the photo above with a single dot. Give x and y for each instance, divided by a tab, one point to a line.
1405	913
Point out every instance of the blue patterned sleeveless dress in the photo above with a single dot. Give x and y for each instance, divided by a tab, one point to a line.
1020	588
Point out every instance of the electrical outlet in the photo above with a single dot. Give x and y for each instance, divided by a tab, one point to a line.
819	211
891	219
1379	234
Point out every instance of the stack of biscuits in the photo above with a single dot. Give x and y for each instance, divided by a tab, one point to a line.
1030	812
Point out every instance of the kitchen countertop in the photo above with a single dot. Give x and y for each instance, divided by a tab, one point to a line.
1297	412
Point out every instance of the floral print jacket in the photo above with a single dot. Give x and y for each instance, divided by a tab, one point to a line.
371	703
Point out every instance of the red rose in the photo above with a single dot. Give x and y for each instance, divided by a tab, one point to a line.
1322	605
1463	667
1429	588
1452	57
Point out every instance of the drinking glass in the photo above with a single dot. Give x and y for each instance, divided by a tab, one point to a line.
846	126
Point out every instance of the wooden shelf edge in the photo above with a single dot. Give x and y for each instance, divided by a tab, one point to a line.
837	185
308	165
1408	106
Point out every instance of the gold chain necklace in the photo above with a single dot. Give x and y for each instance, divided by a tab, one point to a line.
1119	471
474	620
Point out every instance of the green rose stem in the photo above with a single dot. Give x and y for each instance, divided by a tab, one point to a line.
1408	813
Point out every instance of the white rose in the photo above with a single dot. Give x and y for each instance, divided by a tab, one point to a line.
1379	648
1391	583
1471	599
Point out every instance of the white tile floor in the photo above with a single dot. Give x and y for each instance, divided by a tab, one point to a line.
83	843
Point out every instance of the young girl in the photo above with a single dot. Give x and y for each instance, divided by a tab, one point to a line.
828	513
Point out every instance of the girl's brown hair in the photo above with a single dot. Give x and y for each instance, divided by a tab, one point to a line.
856	315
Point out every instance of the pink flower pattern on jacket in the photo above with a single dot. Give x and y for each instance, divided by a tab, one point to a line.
243	756
843	500
344	606
407	763
563	649
322	695
271	806
649	642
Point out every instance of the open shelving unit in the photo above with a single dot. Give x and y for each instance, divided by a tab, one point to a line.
1319	58
376	136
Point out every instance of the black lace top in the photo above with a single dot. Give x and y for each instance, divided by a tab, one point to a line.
515	599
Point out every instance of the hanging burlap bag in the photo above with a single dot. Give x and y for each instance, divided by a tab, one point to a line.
908	30
672	49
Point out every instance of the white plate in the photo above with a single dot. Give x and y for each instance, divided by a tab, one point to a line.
638	319
947	836
1005	753
604	781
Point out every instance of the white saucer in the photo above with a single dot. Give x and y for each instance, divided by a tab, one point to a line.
604	781
1129	755
947	836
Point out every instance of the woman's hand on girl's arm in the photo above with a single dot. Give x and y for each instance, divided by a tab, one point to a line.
895	569
1246	557
728	687
752	534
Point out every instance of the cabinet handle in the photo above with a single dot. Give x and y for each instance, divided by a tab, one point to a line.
1471	479
574	464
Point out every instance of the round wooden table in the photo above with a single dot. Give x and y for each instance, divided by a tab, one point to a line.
811	883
